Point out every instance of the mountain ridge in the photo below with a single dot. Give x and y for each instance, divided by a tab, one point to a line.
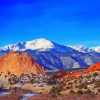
44	44
53	56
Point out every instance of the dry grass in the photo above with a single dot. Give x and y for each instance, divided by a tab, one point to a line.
36	88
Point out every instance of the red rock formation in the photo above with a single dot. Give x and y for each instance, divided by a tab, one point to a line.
60	74
18	63
94	67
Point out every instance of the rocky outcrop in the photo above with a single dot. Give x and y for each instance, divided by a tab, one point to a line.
18	63
95	67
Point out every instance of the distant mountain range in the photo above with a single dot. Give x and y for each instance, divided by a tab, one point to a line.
54	57
85	49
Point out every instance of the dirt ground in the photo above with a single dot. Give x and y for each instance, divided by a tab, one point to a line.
65	97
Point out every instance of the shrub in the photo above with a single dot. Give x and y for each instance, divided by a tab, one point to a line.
95	74
97	83
80	92
68	87
69	83
85	86
98	90
81	86
87	92
1	86
55	91
72	92
13	79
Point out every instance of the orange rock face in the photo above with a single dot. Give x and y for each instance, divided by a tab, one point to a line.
94	67
18	63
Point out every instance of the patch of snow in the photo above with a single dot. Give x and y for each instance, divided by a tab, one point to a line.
81	48
41	44
97	49
76	65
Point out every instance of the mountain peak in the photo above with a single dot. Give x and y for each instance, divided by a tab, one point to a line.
41	44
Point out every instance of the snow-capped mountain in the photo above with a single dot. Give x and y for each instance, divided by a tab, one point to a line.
85	49
81	48
42	44
54	56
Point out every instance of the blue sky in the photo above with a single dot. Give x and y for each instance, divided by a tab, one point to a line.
69	22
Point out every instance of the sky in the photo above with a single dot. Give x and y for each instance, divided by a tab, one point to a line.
69	22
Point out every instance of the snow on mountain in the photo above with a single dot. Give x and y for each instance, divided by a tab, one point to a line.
81	48
97	49
44	44
41	44
85	49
